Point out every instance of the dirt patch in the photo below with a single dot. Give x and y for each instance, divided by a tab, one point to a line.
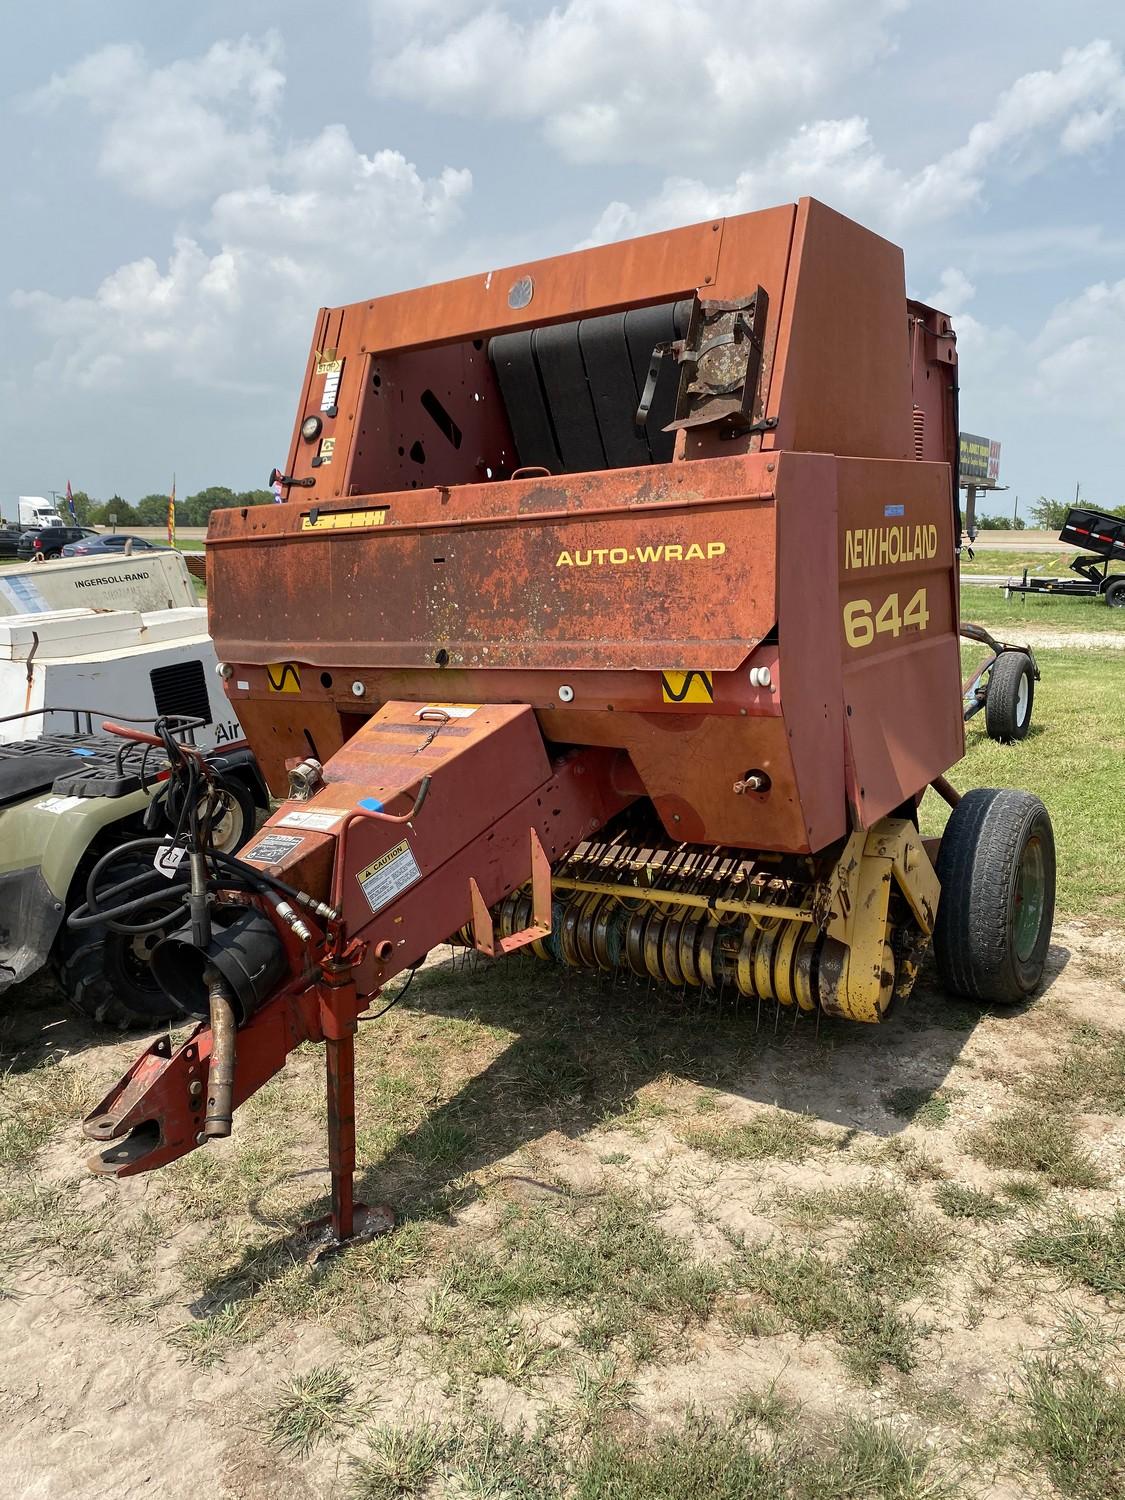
1082	640
601	1195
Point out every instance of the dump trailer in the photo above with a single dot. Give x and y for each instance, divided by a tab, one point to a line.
612	613
1102	537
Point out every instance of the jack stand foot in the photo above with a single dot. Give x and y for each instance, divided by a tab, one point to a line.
368	1223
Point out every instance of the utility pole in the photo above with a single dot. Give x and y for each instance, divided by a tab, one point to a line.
1077	487
1015	513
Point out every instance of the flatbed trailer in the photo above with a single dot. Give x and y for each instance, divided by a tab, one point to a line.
1103	537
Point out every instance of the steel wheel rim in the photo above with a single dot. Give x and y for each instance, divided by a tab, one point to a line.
1021	699
226	821
1030	899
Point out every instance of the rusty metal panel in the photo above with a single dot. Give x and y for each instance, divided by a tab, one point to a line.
634	273
662	567
841	376
429	417
899	645
808	676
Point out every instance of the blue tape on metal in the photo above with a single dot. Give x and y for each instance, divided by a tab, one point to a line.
372	804
894	510
74	750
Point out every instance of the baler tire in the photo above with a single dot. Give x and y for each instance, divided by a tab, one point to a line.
103	976
1115	593
996	867
1010	696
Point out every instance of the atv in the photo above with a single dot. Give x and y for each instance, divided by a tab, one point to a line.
67	801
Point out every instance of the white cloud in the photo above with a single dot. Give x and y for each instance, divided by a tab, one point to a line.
191	320
336	197
174	134
1073	109
952	295
629	80
298	225
1079	356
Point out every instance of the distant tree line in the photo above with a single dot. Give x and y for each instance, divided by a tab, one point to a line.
152	510
1046	515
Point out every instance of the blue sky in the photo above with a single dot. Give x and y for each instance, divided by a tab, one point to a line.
187	185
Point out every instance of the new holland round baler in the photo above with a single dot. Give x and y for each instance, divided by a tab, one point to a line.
611	611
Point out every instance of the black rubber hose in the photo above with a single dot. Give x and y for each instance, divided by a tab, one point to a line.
94	909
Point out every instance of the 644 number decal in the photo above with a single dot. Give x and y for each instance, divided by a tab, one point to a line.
863	621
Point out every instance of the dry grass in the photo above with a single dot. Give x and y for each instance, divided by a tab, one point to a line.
1031	1138
671	1252
1073	1426
774	1133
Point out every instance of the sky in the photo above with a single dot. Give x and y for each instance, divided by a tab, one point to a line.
187	185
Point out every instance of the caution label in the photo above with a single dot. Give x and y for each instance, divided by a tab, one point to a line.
283	677
388	876
687	687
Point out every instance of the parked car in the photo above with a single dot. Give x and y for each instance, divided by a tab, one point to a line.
91	544
49	541
10	540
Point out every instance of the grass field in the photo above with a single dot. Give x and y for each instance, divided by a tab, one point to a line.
1072	758
986	605
1054	564
647	1247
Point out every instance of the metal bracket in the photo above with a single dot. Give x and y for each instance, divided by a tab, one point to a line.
277	477
720	359
484	935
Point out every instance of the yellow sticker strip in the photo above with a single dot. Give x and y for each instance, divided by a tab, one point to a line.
343	520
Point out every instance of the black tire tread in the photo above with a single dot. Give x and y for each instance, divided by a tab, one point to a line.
79	961
979	852
83	978
1114	594
1000	704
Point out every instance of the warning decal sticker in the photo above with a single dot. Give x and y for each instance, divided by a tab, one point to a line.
273	848
388	876
321	819
687	687
283	677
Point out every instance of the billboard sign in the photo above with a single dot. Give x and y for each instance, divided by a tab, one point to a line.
979	460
